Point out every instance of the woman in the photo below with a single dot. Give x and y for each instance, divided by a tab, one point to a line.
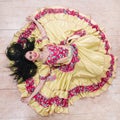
76	67
43	55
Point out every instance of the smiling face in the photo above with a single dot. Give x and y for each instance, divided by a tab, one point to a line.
31	55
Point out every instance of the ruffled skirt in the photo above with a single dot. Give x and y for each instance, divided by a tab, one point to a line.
91	76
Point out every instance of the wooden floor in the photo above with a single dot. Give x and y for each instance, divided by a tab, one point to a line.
12	17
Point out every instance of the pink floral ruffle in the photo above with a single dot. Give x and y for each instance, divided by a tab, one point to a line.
43	101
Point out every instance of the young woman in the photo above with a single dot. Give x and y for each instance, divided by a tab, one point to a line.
47	52
54	74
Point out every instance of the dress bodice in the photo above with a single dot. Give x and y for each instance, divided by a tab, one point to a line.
56	52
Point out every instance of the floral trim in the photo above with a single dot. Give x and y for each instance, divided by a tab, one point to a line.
91	88
26	33
73	13
46	102
81	33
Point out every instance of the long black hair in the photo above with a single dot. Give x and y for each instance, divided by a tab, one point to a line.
21	67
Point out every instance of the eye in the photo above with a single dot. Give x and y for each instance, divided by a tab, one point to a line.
30	52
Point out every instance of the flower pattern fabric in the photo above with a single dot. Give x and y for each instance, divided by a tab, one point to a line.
57	52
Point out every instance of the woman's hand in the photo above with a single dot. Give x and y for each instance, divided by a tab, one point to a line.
30	19
53	77
26	100
72	38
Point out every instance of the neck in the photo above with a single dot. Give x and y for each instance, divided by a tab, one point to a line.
40	57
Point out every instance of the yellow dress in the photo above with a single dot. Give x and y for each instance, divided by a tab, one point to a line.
91	76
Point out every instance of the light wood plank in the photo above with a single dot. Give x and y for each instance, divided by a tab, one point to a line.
84	109
6	81
112	19
111	28
4	62
5	39
12	107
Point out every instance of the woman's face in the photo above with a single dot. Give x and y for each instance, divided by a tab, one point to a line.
31	55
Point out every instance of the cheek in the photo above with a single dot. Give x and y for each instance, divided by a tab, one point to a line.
27	57
30	59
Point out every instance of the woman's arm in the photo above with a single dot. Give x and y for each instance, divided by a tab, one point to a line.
37	89
40	27
63	60
77	34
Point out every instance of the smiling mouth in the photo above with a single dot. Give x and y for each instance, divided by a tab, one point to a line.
35	54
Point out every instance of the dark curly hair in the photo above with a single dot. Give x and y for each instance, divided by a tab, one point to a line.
21	67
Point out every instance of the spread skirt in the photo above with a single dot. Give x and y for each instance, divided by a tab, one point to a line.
91	76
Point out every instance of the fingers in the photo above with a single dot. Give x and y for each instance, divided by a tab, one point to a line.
22	99
52	77
30	18
25	100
